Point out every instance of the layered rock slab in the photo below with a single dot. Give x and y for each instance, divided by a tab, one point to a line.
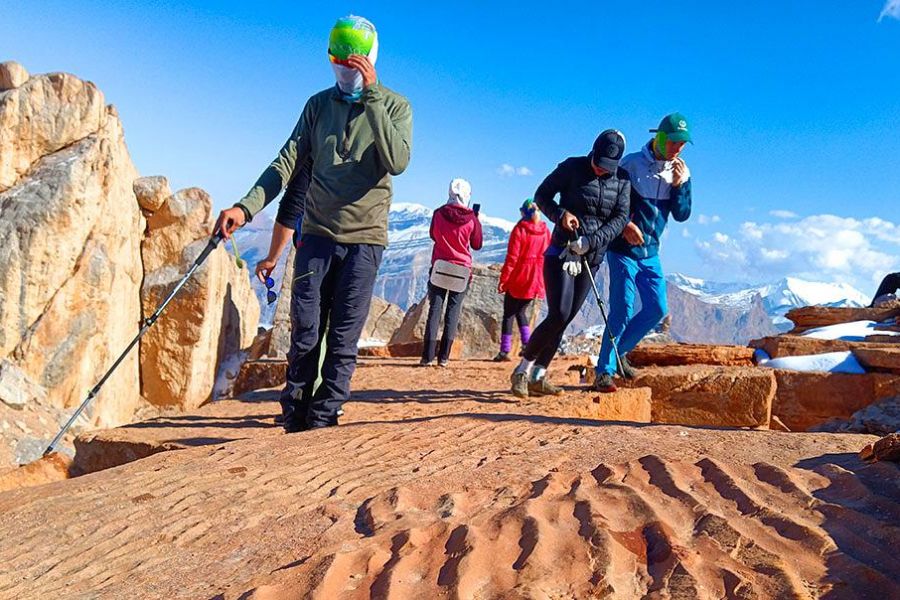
669	355
709	395
806	400
480	505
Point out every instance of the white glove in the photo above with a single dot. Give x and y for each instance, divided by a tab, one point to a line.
580	246
571	263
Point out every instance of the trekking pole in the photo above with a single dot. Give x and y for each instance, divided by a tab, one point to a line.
605	320
147	324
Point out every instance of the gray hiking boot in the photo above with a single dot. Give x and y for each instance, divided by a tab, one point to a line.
604	384
519	384
542	387
627	370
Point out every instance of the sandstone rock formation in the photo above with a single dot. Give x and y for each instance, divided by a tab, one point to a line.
811	317
880	418
879	358
467	505
479	327
668	355
806	400
12	75
70	266
708	395
798	345
887	448
383	320
216	313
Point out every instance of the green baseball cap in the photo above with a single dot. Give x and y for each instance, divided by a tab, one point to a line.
676	128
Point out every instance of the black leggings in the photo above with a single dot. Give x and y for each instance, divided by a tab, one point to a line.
889	285
565	295
436	298
516	310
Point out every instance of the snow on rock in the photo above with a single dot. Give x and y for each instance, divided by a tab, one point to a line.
831	362
855	331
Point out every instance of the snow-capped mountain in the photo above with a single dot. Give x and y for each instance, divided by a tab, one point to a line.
778	297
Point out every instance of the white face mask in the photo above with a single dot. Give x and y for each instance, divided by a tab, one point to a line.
350	81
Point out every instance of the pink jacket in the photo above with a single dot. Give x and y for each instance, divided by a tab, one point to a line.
455	229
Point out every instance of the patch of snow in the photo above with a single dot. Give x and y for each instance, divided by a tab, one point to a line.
855	331
831	362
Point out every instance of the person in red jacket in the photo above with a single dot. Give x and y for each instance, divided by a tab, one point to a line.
522	277
456	231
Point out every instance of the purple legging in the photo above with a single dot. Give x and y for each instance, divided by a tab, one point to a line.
514	309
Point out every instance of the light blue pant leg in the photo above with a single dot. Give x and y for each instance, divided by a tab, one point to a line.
622	273
651	285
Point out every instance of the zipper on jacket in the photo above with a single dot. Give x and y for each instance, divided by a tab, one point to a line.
345	141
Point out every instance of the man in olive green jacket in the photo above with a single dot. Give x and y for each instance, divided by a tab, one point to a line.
357	134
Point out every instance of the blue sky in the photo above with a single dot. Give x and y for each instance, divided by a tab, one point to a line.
795	106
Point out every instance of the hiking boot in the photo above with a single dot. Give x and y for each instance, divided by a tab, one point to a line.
502	357
279	419
604	384
542	387
627	370
519	382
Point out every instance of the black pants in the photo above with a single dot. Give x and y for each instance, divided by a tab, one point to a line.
565	295
516	310
889	285
436	299
333	302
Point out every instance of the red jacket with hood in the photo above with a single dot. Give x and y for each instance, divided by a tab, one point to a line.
455	229
522	276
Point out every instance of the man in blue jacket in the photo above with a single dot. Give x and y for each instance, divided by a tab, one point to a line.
660	186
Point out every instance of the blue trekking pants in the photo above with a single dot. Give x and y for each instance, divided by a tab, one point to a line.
628	277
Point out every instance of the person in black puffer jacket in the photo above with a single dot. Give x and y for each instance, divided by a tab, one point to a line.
592	211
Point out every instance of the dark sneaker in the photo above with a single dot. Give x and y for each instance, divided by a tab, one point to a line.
295	426
426	363
279	419
519	382
443	363
604	384
542	387
502	357
627	370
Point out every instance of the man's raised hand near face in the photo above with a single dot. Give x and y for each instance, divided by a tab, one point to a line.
364	66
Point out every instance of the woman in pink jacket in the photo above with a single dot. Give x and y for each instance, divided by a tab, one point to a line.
456	231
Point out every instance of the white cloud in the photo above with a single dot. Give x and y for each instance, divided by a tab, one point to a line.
783	214
685	233
507	170
891	9
818	247
706	219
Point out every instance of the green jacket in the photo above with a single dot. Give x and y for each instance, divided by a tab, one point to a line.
355	148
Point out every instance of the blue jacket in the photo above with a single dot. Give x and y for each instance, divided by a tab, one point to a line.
653	199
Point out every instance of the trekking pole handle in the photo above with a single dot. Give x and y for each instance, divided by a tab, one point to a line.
214	241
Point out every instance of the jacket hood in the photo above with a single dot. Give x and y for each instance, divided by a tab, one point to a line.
456	213
532	228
